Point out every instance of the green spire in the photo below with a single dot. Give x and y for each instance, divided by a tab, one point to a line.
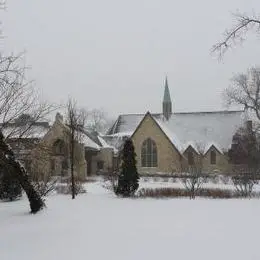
166	97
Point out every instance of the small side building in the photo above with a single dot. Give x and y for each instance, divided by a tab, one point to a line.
45	149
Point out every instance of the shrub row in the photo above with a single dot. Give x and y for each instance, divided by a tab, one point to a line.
169	192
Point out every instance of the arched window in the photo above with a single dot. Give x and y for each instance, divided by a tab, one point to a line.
213	157
149	153
58	147
190	158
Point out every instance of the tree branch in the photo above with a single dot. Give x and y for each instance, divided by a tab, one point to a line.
244	23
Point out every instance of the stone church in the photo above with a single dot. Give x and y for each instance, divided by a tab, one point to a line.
170	142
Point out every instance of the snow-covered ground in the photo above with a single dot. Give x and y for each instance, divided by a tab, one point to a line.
97	225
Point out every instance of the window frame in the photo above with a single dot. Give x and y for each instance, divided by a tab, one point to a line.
213	162
149	154
58	147
191	160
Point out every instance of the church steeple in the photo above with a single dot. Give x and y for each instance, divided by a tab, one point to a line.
167	103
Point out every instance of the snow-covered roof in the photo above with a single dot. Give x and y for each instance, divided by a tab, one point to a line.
36	131
88	142
105	144
173	138
204	128
209	145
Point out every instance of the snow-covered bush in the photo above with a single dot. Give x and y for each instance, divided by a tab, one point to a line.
66	188
169	192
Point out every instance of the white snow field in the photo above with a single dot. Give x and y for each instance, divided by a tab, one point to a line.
99	226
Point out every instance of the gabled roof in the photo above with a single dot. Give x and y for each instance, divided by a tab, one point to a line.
190	145
216	127
172	138
89	143
96	141
209	145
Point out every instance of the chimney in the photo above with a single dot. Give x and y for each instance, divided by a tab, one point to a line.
59	117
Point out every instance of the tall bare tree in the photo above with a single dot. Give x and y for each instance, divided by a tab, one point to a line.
19	97
245	91
98	120
237	33
75	121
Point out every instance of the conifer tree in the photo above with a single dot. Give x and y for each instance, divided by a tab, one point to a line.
10	188
7	158
128	181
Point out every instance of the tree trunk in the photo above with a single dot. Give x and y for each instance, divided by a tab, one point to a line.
8	159
72	165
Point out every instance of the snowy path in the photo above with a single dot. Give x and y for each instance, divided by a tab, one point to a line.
99	226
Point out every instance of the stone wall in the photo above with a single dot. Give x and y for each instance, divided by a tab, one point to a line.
169	159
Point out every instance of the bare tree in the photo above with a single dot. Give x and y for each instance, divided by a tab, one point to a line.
111	180
98	120
237	33
75	121
42	178
245	91
19	97
244	183
194	178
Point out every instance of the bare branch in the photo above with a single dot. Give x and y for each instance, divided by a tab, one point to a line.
235	35
245	90
19	97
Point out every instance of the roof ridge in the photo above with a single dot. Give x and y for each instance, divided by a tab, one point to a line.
139	114
191	112
211	112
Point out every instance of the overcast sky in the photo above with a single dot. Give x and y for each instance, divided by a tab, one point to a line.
115	54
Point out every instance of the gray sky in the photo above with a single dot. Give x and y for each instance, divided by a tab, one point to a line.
115	54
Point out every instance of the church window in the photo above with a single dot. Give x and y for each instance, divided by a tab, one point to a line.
59	147
213	158
190	158
149	153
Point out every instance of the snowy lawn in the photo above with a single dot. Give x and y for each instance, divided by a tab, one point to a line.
98	225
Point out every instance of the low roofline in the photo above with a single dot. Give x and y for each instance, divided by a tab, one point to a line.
213	145
192	146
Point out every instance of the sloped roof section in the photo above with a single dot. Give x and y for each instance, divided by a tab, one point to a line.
35	131
202	128
171	135
89	143
126	123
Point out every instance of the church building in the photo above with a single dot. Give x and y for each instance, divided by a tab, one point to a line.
171	142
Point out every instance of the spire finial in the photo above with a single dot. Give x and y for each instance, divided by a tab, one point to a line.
167	96
167	103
